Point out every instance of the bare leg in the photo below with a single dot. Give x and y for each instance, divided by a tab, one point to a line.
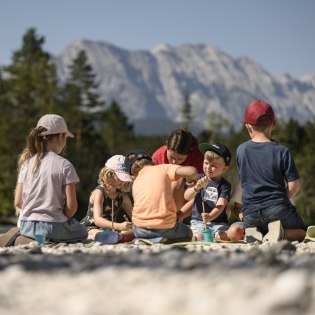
92	233
294	234
198	236
235	233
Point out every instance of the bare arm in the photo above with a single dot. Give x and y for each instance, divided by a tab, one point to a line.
191	192
293	188
127	205
216	211
186	171
71	200
238	211
98	199
18	195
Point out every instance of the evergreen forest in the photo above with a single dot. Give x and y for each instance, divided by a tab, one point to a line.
29	89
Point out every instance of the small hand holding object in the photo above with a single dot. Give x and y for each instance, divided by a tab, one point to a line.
202	182
205	217
127	224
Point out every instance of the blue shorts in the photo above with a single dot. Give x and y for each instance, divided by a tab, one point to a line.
197	226
69	231
179	231
286	214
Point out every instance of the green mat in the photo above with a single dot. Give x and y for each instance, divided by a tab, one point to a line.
147	242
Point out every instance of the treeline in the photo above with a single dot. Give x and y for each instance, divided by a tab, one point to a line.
29	88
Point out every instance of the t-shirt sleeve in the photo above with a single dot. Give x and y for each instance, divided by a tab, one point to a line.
225	190
290	170
70	174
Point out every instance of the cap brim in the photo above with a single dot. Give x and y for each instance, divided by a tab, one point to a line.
124	177
69	134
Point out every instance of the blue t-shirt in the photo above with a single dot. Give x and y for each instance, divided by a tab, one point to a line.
264	169
210	196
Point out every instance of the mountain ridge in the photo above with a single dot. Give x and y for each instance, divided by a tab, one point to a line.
151	84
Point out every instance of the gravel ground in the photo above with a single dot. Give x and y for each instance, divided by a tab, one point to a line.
129	279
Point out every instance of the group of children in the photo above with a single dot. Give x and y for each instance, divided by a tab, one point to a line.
180	179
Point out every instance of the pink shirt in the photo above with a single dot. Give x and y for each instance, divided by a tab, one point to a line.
154	205
195	158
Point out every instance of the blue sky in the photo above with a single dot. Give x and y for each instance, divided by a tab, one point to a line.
278	34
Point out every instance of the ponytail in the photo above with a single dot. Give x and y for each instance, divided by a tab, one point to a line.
36	144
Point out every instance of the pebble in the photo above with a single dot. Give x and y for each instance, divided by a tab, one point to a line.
84	279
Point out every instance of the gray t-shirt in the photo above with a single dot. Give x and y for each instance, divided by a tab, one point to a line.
43	196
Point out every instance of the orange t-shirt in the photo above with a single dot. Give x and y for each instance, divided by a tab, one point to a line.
154	205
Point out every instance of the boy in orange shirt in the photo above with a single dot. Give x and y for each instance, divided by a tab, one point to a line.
154	211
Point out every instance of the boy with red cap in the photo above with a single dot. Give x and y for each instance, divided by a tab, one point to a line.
269	179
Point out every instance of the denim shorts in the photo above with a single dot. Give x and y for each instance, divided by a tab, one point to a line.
197	226
285	213
180	230
68	231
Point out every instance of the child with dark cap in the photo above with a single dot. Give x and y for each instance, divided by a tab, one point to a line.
269	179
211	195
154	211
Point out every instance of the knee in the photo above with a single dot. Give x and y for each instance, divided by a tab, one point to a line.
235	233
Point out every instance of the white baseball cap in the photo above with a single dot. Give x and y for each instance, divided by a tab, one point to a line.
117	164
54	124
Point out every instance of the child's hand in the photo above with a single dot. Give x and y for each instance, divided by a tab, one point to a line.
205	217
125	226
202	183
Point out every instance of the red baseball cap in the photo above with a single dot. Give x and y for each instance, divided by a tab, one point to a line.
257	109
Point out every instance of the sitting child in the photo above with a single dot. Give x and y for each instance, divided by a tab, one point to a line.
211	195
107	203
154	211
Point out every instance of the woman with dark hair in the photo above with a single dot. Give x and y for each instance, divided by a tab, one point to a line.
181	149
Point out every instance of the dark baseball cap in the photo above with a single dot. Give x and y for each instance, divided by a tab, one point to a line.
133	156
218	148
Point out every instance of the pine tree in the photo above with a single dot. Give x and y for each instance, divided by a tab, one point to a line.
82	105
116	132
81	98
28	91
186	112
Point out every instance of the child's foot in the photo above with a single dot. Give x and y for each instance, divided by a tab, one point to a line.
275	232
252	235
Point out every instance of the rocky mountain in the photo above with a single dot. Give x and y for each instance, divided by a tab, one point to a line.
150	85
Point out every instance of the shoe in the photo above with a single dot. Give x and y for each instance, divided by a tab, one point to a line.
23	240
126	238
310	234
275	232
252	235
110	237
7	239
